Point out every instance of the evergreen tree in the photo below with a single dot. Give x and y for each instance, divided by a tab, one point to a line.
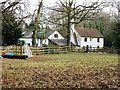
11	31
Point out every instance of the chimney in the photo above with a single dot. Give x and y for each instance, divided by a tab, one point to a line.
72	26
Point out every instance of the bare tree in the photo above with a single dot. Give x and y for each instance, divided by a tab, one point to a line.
117	31
36	23
68	10
118	7
14	14
115	17
19	7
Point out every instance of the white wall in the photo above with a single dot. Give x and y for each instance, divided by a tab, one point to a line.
45	41
27	40
102	42
92	43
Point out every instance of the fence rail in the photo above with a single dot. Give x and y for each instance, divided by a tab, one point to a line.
56	50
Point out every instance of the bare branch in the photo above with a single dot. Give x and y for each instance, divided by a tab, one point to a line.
68	10
11	5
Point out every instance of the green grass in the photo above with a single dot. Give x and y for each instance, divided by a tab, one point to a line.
62	70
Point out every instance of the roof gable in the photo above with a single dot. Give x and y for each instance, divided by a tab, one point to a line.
88	32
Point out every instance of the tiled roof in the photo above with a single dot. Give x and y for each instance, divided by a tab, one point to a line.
27	34
88	32
48	33
59	41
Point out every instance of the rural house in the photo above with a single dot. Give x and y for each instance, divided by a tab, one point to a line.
51	37
81	37
86	37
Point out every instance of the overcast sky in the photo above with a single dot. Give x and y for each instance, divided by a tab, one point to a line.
52	2
49	3
34	3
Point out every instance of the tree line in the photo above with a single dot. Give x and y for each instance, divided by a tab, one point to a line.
65	13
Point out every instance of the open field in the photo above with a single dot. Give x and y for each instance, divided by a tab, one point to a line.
70	70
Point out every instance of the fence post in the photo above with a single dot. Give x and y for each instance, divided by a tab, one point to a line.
87	48
16	49
20	49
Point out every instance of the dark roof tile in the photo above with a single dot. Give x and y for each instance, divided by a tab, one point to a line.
59	41
27	34
88	32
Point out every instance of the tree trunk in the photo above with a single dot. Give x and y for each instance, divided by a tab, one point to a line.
68	27
36	24
34	37
68	34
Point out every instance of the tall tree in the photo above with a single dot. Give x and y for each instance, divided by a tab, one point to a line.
19	7
36	23
116	33
11	31
68	10
13	15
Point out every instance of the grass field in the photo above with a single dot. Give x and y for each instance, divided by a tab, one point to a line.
70	70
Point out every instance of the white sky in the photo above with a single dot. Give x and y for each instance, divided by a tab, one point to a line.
34	3
52	2
49	3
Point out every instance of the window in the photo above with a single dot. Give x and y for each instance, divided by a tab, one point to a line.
85	39
98	40
90	39
55	35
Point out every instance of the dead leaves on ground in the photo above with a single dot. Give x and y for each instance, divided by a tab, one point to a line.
70	76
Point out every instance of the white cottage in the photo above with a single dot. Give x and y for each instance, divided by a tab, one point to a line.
86	37
82	37
53	37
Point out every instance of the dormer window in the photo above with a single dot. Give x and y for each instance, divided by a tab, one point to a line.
55	35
